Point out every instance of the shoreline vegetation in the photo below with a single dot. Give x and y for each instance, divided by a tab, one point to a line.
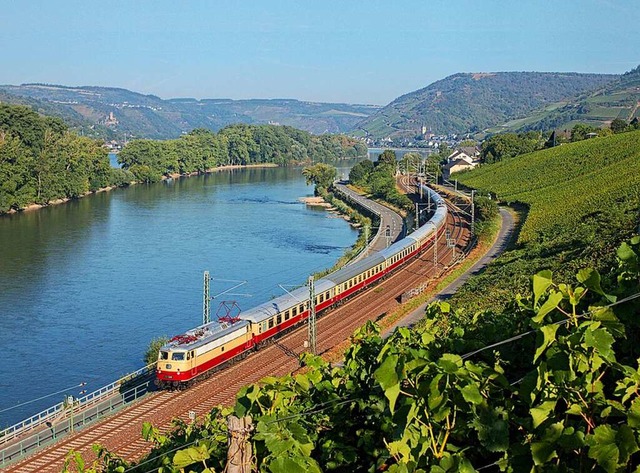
229	167
42	163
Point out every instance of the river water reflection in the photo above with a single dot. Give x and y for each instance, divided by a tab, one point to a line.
84	286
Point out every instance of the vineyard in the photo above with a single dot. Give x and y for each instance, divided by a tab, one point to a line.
567	184
578	201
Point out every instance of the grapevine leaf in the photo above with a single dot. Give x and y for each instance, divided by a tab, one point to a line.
626	253
542	412
603	448
471	394
591	279
633	416
548	337
450	363
189	456
493	431
541	283
626	441
550	304
465	466
445	307
388	378
284	464
542	452
601	340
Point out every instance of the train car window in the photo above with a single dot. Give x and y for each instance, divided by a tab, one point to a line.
270	323
164	355
286	315
188	355
222	348
177	356
279	319
301	308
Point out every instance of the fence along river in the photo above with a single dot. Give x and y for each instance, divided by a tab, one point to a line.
84	286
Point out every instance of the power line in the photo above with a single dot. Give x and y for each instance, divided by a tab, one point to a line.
44	397
561	322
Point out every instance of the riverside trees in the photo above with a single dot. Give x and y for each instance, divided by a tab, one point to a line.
41	161
235	145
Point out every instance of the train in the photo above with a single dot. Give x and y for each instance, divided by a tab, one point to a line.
208	347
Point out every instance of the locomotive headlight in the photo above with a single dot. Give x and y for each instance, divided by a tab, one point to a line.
168	366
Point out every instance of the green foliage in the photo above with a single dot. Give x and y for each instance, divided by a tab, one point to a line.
508	145
618	125
40	161
202	150
151	355
379	180
580	131
486	210
359	174
322	175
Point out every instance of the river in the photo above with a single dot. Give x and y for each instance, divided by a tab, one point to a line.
84	286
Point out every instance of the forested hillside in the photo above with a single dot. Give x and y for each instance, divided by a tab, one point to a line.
464	103
42	161
137	115
618	99
202	150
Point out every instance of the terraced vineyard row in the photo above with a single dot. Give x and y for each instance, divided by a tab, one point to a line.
567	186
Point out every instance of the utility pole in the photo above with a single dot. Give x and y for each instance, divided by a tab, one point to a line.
435	249
429	201
451	243
417	216
206	309
312	315
473	213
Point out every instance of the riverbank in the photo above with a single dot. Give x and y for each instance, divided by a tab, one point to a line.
34	206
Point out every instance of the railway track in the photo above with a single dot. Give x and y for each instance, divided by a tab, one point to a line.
121	432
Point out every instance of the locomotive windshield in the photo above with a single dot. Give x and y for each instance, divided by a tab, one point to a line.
164	355
177	356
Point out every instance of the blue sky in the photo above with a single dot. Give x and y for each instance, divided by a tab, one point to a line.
325	50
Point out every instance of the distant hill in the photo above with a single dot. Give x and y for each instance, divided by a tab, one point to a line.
113	112
472	102
619	98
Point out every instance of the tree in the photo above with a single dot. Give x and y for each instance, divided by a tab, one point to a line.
151	355
321	174
618	125
388	157
359	174
580	131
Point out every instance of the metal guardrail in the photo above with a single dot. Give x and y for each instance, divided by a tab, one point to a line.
72	419
52	413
